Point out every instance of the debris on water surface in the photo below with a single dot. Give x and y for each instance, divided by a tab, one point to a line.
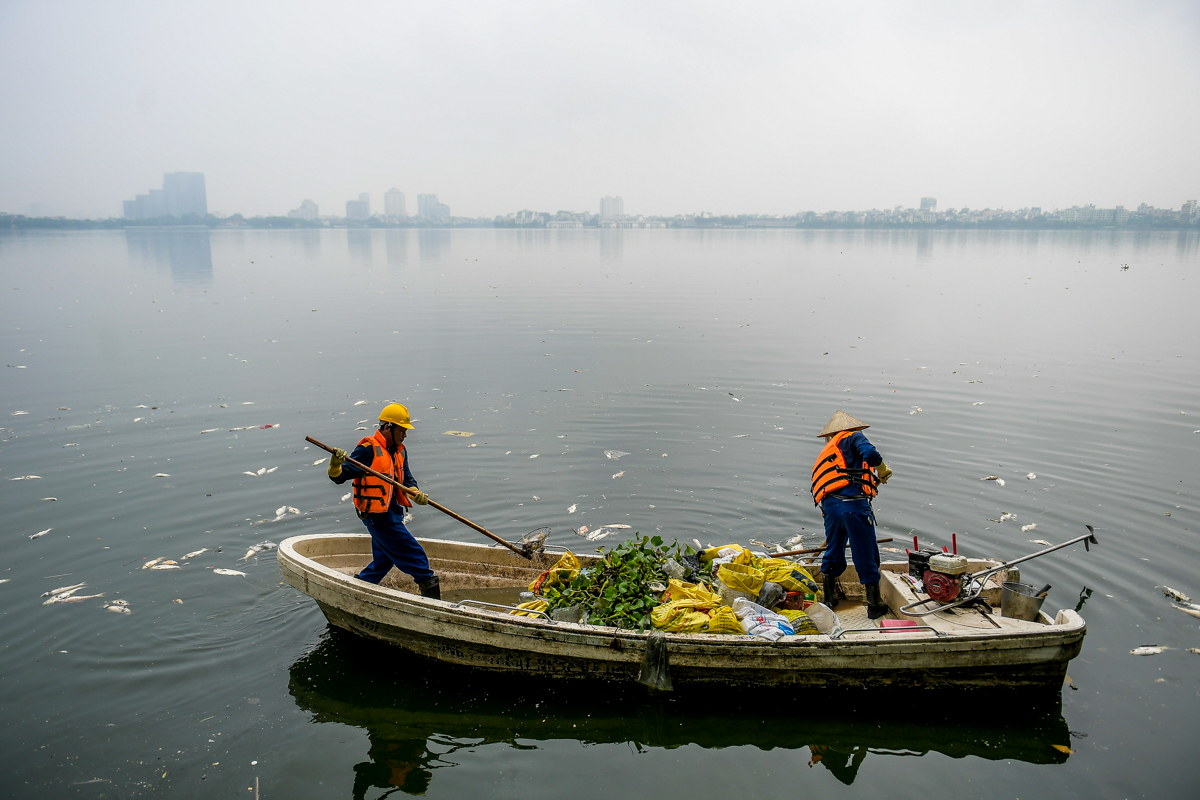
915	410
362	402
220	571
1042	542
1148	650
741	436
152	562
177	600
1062	748
1029	527
62	589
1174	594
582	530
977	404
118	606
19	413
318	461
1195	650
457	433
26	478
162	475
195	553
571	510
1005	516
210	430
347	496
51	499
599	534
5	580
1030	476
40	534
618	474
993	478
71	444
1190	611
615	455
167	565
535	455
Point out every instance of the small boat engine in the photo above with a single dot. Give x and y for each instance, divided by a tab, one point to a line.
943	579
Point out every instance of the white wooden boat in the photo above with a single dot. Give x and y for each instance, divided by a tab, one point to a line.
468	627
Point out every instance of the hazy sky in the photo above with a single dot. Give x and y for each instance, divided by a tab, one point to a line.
677	107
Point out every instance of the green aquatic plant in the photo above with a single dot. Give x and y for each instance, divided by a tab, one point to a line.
616	590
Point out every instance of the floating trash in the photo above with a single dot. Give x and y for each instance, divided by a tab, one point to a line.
40	534
615	455
1030	476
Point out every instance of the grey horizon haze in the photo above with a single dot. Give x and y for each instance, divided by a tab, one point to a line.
769	108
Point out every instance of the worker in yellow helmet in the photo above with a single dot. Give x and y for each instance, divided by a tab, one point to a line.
382	507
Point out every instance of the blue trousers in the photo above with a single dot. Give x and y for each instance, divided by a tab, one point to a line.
850	520
392	545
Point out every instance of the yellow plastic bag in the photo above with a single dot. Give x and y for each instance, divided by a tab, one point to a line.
801	624
690	616
741	578
678	590
792	577
565	570
532	605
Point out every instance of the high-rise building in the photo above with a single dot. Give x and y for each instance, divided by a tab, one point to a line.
360	208
612	207
393	203
1188	211
929	204
307	210
429	208
183	194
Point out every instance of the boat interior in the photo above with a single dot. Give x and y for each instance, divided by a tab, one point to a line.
496	575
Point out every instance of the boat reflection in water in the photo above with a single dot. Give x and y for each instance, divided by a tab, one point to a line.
417	713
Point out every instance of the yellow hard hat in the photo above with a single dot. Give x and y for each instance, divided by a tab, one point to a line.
396	414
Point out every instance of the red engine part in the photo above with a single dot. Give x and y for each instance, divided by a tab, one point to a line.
940	586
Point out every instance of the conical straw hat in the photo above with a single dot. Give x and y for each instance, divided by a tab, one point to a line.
841	421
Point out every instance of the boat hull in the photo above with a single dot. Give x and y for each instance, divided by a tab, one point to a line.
496	641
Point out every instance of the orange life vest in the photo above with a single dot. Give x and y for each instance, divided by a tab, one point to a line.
830	473
372	495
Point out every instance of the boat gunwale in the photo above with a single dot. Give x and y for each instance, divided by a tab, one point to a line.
389	600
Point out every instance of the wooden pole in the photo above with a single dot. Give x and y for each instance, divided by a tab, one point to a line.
816	549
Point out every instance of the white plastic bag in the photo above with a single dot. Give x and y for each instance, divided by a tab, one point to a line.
758	621
824	618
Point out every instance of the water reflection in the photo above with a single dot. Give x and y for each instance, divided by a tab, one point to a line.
187	253
359	242
433	244
416	714
396	242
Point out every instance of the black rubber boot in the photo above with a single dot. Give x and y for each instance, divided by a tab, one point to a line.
431	588
830	593
876	608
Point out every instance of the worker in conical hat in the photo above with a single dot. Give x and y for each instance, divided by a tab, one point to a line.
845	477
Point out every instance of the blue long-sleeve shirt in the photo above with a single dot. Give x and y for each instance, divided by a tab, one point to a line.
364	454
856	449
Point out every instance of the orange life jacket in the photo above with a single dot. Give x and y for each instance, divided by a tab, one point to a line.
830	473
372	495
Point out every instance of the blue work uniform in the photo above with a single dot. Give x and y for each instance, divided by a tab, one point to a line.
848	516
391	543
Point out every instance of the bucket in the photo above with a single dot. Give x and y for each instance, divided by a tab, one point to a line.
1017	601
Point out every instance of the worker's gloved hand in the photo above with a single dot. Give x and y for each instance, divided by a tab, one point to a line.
335	462
420	498
884	472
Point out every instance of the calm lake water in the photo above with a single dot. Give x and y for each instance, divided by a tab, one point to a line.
712	359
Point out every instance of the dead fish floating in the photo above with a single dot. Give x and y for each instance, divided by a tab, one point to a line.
40	534
618	474
153	561
1042	542
166	565
615	455
229	572
457	433
571	510
26	478
210	430
118	607
1028	528
162	475
195	553
1174	594
1193	612
62	589
261	547
67	595
1148	650
1000	481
